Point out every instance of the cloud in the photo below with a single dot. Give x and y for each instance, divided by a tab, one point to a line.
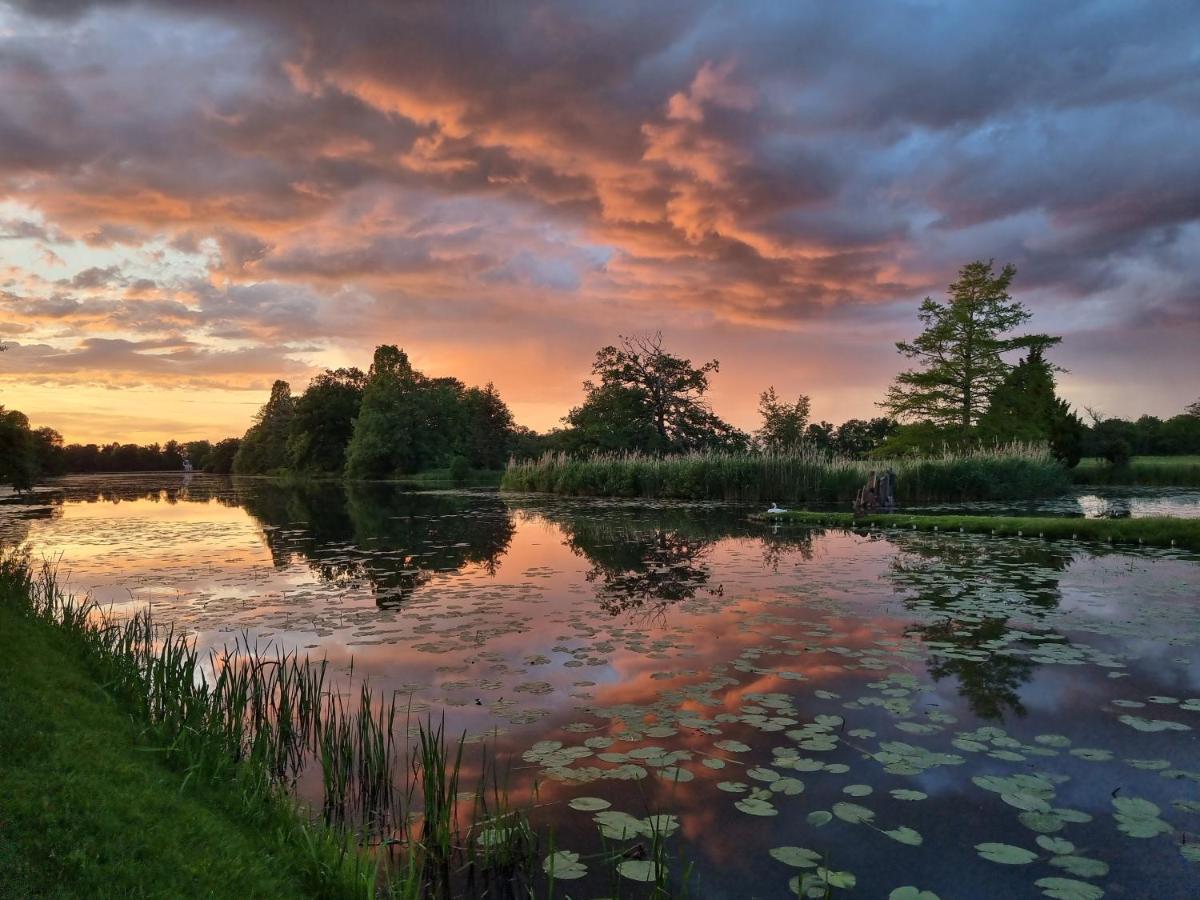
310	172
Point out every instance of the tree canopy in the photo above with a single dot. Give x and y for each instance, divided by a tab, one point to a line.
783	423
648	400
264	448
961	351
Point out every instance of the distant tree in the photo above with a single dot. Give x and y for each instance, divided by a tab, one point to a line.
525	443
171	456
859	437
197	453
264	447
1193	409
18	452
49	451
783	423
220	459
323	422
488	428
961	350
821	436
648	400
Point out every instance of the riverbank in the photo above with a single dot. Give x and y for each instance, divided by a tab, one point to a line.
1151	532
1012	473
90	807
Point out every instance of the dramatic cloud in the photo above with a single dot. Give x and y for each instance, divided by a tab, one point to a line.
192	193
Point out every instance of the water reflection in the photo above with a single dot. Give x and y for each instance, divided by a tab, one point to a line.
685	661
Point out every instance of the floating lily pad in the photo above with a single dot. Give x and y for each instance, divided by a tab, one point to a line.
589	804
564	866
908	892
754	807
1068	889
800	857
639	869
1006	854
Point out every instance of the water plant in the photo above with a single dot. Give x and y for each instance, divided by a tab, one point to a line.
806	475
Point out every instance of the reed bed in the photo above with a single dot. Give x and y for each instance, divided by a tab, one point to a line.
1017	471
259	718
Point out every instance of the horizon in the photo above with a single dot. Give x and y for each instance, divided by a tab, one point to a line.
773	186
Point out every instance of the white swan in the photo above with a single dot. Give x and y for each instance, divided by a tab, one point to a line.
776	508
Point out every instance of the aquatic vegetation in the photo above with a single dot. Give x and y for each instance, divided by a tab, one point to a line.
1012	472
874	702
1151	532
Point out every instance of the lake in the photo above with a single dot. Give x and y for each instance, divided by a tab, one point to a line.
972	716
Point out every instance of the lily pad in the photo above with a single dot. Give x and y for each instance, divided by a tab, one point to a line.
589	804
800	857
1069	889
639	869
1006	854
564	866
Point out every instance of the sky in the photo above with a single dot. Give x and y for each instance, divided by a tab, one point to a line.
197	198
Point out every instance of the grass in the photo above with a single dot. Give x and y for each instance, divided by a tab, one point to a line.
1152	532
1164	471
226	736
90	808
1007	473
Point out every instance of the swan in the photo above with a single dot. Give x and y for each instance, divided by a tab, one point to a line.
776	508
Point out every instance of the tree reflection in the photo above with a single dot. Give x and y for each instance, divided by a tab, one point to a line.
974	587
393	540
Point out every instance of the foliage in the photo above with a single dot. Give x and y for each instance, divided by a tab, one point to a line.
264	447
802	476
1117	452
220	459
854	437
488	428
1025	407
783	423
18	450
407	422
1178	471
961	350
323	421
648	400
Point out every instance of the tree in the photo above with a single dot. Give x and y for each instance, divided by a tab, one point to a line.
489	428
961	350
1193	409
18	453
648	400
220	458
324	421
783	423
264	447
858	437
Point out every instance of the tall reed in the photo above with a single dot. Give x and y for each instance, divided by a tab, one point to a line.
259	717
1017	471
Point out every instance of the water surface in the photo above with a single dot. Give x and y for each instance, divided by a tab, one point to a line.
888	702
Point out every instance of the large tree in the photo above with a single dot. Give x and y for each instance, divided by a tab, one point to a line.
783	423
961	351
488	431
18	450
650	400
324	420
264	446
1026	407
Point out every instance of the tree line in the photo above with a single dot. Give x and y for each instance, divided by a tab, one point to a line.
977	379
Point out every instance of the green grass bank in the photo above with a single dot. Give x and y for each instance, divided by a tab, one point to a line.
1151	532
90	807
1150	471
1010	473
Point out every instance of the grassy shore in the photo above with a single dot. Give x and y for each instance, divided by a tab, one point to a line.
1159	471
90	808
1017	472
127	772
1152	532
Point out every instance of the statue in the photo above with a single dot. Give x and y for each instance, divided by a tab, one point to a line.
878	494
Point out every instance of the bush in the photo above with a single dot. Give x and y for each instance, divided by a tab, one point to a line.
1117	451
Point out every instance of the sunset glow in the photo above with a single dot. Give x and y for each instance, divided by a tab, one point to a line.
198	198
